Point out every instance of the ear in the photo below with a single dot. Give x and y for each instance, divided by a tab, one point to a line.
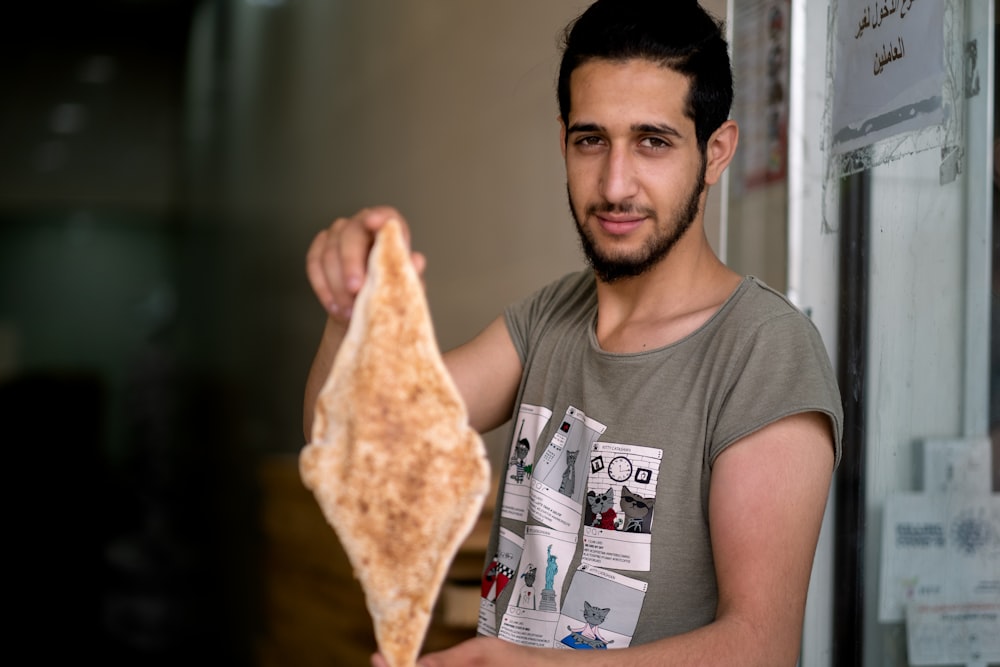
562	137
720	150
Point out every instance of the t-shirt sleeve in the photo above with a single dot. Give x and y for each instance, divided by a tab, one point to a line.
528	317
783	370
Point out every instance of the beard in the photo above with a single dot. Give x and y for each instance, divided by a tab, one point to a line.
611	268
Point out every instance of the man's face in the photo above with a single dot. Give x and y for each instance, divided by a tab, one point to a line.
635	174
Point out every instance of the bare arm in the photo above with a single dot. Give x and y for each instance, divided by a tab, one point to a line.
766	506
333	336
487	371
335	266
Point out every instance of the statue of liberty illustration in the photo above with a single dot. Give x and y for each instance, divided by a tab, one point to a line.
548	601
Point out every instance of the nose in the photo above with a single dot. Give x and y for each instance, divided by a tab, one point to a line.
618	180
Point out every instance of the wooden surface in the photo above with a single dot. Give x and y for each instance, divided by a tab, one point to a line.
314	610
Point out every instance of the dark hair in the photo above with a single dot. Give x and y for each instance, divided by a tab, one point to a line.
678	34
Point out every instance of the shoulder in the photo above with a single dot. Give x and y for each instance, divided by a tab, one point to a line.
758	314
564	303
775	364
757	300
578	284
573	291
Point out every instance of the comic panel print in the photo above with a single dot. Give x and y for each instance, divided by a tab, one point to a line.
531	419
600	611
559	476
497	576
535	602
619	505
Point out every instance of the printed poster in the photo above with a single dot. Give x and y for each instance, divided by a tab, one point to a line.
762	48
953	634
939	548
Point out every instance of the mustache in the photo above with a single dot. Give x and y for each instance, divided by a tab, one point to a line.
625	208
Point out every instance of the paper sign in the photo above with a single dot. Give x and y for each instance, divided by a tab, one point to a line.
953	634
961	465
939	548
761	38
889	70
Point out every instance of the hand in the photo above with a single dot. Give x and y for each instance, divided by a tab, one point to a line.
338	257
482	652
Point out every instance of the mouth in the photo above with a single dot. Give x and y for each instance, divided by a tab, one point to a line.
619	224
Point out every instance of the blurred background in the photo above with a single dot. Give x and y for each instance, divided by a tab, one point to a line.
163	166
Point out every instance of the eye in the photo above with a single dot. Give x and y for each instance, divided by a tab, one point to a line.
588	142
654	143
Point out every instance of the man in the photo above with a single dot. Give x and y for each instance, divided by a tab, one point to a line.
693	407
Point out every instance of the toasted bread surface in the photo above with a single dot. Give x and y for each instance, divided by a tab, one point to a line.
393	463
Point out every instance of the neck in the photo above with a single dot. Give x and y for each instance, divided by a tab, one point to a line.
666	303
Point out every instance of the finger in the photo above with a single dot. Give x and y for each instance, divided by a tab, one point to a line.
325	268
374	218
419	262
316	272
353	244
356	242
337	259
464	653
378	660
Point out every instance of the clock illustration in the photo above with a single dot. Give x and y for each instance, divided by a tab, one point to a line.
620	469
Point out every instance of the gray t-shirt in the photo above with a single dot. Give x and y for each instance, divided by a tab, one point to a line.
601	537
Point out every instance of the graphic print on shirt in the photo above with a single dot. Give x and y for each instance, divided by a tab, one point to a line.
497	576
600	509
601	610
557	490
531	419
546	557
618	513
526	598
588	635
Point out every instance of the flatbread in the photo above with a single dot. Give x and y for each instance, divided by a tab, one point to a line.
393	463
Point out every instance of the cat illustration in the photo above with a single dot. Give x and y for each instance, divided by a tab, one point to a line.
526	599
638	511
569	474
588	636
599	511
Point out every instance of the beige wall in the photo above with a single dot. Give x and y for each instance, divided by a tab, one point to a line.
442	108
445	109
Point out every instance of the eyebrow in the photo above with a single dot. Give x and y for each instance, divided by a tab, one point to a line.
644	128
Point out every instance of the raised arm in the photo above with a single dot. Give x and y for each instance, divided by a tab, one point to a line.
336	264
487	369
